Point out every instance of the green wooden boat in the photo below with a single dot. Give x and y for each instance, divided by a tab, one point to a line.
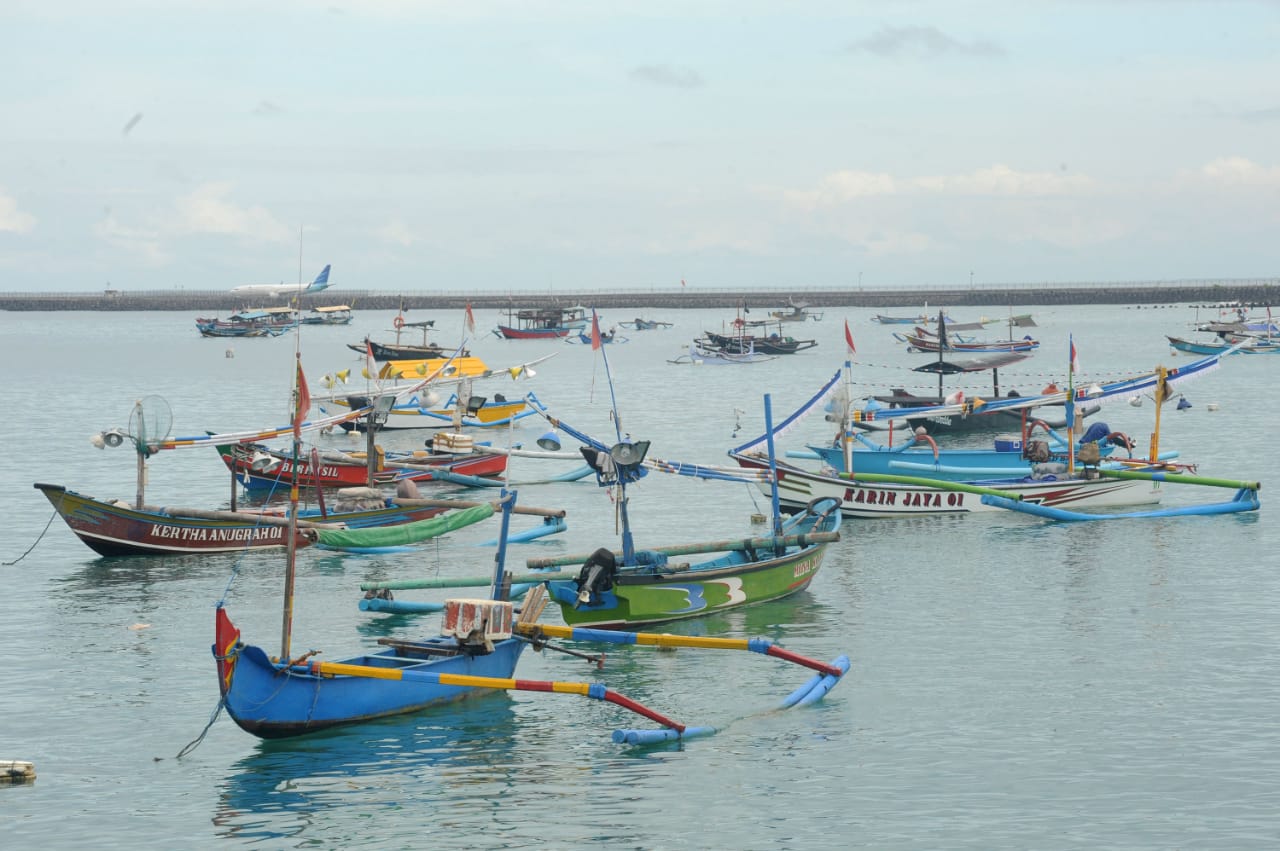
657	588
634	587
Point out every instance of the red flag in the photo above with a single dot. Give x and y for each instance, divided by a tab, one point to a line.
304	404
471	320
682	282
848	339
595	330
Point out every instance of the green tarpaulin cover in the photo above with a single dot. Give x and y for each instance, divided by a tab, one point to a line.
407	533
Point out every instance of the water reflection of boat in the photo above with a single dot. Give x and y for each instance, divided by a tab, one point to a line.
299	788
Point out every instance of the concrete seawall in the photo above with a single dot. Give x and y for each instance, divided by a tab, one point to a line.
1257	292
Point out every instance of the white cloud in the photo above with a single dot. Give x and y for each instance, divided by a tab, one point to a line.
12	219
1238	171
841	186
207	211
1004	181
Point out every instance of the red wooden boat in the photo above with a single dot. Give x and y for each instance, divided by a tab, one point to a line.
543	323
258	467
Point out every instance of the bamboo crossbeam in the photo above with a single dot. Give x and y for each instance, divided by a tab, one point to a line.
459	503
460	582
1183	478
237	516
708	547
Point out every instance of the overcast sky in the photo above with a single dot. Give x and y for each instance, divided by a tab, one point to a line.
470	145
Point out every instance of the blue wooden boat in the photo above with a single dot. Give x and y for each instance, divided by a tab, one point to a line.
920	456
477	654
1010	457
639	324
605	337
1241	346
274	699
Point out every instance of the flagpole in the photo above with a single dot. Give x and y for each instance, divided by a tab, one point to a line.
846	441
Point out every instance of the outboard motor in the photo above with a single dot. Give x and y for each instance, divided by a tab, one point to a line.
596	576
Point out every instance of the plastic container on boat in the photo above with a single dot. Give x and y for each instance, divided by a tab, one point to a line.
1008	443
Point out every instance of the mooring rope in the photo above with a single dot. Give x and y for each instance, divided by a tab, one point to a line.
37	540
195	743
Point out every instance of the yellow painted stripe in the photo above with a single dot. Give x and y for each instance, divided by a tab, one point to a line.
462	680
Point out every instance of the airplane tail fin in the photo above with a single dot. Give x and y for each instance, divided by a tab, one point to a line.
321	281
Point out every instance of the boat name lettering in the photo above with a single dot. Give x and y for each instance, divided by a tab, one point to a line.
805	567
187	533
919	499
870	497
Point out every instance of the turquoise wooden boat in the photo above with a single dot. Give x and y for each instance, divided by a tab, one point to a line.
1245	346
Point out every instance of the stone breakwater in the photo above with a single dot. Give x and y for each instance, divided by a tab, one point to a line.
1259	292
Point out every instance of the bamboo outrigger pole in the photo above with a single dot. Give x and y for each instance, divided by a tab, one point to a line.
1160	394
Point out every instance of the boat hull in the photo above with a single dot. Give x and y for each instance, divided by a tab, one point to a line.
280	469
640	597
951	465
115	530
866	500
272	701
393	351
509	333
1192	347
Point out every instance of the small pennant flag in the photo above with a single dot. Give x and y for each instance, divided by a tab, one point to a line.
595	330
471	319
1075	357
304	404
848	339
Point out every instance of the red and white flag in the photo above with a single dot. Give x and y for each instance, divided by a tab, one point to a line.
595	330
303	407
848	339
1075	356
471	319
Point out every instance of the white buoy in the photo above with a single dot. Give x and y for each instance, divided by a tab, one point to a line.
1212	406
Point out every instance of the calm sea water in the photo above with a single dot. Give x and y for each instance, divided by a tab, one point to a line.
1015	683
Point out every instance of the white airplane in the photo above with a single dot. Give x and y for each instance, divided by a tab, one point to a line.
320	283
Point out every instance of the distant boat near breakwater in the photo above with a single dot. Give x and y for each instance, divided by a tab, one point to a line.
1255	292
